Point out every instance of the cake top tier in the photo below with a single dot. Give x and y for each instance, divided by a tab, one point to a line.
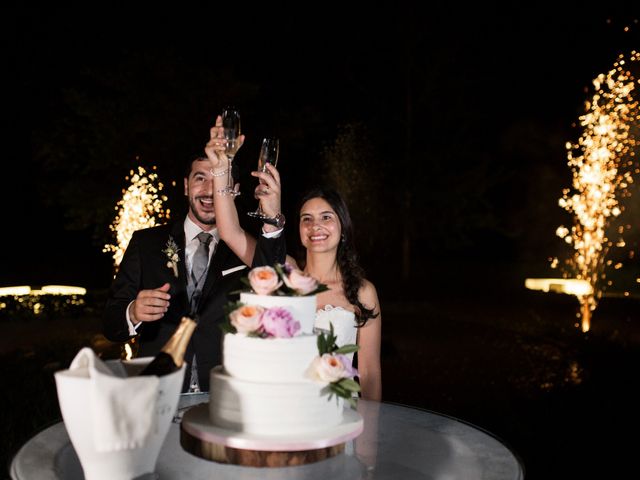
302	309
281	303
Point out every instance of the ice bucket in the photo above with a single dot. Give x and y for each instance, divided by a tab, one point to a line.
77	409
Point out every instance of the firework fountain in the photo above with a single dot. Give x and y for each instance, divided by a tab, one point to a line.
141	206
603	164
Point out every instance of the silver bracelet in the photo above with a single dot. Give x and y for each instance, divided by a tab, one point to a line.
219	174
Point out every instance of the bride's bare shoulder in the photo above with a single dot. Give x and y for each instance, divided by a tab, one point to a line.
368	294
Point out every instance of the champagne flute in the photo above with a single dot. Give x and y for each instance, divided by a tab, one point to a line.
268	154
231	126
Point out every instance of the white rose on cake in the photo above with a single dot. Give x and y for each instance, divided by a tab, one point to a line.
330	368
333	368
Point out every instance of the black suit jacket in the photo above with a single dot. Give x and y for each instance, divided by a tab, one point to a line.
144	266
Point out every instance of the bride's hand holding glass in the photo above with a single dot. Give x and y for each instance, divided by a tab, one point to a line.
216	149
269	153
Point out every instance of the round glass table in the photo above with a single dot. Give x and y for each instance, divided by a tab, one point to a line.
397	442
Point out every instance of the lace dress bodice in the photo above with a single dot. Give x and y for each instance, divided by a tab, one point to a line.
343	321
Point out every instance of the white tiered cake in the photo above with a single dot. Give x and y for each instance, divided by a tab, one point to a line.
261	388
278	397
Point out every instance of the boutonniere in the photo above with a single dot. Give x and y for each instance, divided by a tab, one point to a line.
171	251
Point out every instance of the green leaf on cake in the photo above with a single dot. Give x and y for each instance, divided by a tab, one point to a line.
331	339
345	388
278	268
230	307
226	327
349	384
321	288
322	345
347	349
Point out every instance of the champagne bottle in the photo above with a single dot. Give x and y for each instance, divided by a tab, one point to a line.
171	356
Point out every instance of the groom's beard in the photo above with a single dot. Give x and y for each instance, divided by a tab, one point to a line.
193	204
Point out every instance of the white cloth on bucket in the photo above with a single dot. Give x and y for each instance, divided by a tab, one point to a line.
122	409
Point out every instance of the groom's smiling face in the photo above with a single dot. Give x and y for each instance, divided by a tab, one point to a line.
198	188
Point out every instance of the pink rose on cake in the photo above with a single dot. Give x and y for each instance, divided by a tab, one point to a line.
278	322
264	280
246	319
283	280
300	282
256	321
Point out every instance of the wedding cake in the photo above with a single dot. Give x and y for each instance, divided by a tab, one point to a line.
274	382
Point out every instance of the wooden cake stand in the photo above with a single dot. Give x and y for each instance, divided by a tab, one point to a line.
201	438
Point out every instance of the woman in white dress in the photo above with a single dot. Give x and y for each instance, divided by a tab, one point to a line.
351	303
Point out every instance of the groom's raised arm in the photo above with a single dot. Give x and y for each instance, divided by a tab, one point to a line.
270	250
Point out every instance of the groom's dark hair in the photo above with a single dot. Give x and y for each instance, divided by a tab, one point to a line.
189	163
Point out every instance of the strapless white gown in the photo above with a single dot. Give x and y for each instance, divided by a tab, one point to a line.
343	321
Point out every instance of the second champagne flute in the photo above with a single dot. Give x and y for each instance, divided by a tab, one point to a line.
231	126
268	154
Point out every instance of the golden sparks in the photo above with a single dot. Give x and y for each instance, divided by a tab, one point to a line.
141	206
602	168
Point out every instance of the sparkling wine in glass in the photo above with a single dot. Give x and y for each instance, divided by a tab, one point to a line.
231	126
268	154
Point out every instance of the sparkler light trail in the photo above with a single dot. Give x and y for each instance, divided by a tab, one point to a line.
141	206
603	164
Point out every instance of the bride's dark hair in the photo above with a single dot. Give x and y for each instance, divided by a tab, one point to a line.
347	257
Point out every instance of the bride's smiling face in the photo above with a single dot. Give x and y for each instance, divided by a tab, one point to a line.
320	228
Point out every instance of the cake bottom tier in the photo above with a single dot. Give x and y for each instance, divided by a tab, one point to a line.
271	408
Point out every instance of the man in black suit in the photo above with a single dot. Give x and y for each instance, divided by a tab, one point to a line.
148	299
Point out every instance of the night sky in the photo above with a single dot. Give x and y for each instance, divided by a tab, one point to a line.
458	119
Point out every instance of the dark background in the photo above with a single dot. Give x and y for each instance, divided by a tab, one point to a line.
443	125
450	122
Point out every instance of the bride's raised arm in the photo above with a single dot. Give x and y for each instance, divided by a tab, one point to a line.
268	191
227	222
